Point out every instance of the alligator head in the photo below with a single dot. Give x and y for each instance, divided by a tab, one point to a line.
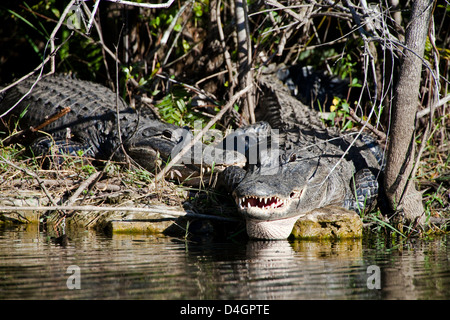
271	199
156	144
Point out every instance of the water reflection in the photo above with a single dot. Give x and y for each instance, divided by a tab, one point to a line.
33	265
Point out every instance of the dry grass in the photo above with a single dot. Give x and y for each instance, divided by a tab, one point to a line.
74	182
433	174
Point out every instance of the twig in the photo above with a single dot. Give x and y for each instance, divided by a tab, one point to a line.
156	211
381	135
51	119
92	178
226	54
102	186
23	133
169	30
119	130
197	138
34	175
278	7
39	67
172	26
55	30
286	9
189	87
212	76
145	5
92	17
427	110
365	124
105	49
244	49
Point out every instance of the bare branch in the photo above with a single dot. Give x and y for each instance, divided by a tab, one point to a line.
245	58
197	138
92	16
278	5
154	211
35	176
41	70
440	103
144	5
226	54
55	30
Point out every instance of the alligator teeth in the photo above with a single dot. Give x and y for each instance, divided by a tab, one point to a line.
264	203
206	169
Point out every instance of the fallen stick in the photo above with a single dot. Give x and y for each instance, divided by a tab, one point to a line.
102	186
32	174
94	177
159	211
22	135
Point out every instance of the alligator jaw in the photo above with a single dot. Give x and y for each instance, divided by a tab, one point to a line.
264	206
269	217
262	203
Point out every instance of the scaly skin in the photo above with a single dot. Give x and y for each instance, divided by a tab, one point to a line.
92	127
315	167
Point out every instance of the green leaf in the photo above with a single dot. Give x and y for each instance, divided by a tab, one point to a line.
56	12
155	22
355	83
345	106
331	117
186	45
177	27
181	105
22	114
348	125
142	82
198	10
26	21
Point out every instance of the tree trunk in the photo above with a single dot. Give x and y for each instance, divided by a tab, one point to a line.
245	76
403	198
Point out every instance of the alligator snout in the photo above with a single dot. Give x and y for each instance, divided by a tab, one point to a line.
273	207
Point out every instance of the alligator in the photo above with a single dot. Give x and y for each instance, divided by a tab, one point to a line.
300	165
293	164
91	128
314	88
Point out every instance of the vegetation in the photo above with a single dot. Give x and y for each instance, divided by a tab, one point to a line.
185	62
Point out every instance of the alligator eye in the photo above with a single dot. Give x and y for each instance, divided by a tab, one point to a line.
167	134
292	157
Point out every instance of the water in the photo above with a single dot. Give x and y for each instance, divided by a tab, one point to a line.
34	265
